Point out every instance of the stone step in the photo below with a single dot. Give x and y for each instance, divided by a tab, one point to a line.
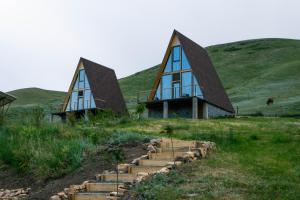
145	169
155	163
177	143
113	177
102	187
176	149
90	196
165	155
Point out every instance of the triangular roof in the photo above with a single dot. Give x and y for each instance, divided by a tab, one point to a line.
203	69
6	98
104	86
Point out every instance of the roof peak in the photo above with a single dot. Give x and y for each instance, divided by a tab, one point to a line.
86	61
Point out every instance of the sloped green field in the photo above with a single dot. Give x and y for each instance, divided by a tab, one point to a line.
29	97
251	72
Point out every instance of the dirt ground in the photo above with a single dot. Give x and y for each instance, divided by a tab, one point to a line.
43	190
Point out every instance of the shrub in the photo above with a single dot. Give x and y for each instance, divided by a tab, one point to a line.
126	137
71	118
254	137
38	115
140	109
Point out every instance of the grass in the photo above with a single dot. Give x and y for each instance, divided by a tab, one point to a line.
49	151
251	72
256	158
35	96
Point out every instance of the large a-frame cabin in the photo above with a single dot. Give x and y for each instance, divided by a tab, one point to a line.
93	88
187	84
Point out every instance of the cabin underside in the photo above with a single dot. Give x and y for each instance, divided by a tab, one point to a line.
193	107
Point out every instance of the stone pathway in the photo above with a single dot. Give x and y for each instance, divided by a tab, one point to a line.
15	194
161	158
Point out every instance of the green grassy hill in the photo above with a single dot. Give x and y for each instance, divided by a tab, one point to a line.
28	97
251	71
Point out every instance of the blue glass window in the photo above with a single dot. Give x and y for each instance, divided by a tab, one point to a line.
167	87
68	106
197	89
87	98
186	84
86	83
80	103
76	85
176	66
176	53
74	100
185	62
176	90
157	95
81	75
168	67
93	105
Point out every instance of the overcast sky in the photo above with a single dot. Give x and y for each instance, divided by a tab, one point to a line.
42	41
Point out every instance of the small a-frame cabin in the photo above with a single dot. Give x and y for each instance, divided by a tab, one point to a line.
187	84
93	88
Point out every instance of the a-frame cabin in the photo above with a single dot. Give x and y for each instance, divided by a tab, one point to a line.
93	88
187	84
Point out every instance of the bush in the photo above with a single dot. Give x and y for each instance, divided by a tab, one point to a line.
38	115
126	137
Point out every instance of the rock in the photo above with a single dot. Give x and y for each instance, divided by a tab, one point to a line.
151	148
155	142
123	168
60	194
163	170
66	190
55	197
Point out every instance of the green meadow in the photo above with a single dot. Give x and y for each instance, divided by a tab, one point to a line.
256	157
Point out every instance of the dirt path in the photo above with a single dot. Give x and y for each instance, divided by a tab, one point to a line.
90	167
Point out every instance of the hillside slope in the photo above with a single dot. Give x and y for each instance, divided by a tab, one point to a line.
251	71
35	96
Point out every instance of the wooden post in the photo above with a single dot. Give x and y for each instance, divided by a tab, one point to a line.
166	110
195	107
205	110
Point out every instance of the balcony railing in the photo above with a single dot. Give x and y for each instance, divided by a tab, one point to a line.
170	93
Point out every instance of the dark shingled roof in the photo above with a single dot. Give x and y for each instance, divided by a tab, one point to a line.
202	66
6	98
104	87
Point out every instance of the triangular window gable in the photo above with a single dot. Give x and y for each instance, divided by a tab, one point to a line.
177	79
81	97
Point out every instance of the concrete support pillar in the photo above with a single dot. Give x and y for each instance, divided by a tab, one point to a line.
195	108
166	110
205	110
86	116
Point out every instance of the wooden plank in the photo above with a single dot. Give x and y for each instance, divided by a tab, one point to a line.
155	163
146	169
90	196
169	149
102	187
113	177
165	155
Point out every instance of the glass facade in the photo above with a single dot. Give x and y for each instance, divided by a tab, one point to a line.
166	87
186	84
81	97
177	80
